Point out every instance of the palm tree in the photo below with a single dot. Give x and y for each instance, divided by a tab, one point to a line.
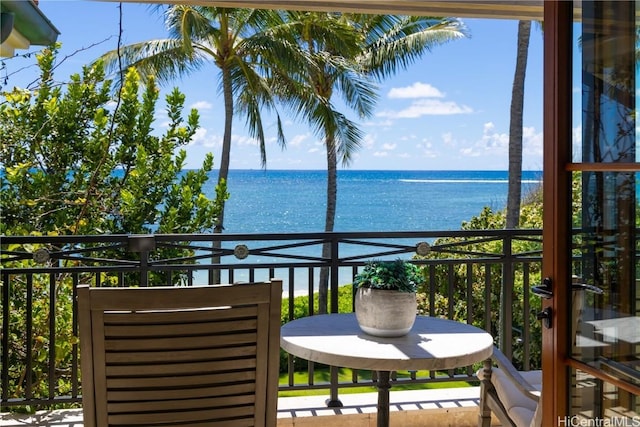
514	194
240	43
350	52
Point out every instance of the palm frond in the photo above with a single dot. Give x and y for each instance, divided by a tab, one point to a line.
346	135
358	92
163	59
350	137
406	42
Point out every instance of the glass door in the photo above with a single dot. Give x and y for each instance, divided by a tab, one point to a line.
594	353
605	359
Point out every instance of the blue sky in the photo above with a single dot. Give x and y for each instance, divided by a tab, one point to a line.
448	111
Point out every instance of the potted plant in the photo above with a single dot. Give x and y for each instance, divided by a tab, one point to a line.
385	298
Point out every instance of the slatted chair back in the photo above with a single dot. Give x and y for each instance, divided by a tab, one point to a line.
187	356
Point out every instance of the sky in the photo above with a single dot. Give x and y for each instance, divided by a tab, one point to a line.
448	111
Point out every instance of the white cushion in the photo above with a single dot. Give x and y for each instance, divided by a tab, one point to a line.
521	408
537	417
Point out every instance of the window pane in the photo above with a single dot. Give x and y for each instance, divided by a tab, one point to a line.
605	49
593	401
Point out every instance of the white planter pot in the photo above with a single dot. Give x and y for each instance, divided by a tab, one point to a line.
385	313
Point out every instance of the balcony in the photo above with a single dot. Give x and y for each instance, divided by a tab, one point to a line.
481	277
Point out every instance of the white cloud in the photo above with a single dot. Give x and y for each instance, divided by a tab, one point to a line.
416	90
576	133
379	123
469	152
493	147
243	140
447	138
492	140
368	141
491	143
297	140
380	154
488	127
427	107
203	139
427	150
389	147
532	143
202	105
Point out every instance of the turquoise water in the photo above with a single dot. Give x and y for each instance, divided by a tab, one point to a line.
295	201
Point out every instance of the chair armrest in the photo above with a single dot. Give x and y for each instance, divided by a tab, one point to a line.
518	380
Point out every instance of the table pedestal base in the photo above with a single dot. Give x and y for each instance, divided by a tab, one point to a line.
333	403
383	398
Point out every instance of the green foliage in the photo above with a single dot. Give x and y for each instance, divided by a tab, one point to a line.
35	297
76	161
75	165
299	307
301	304
470	282
395	275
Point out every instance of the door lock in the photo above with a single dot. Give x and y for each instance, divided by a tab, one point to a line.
545	316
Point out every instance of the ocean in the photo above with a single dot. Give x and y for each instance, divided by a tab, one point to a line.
281	201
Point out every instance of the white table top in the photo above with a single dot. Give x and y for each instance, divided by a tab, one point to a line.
432	343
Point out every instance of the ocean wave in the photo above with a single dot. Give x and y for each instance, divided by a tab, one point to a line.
469	181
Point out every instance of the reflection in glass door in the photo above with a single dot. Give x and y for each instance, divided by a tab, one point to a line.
605	303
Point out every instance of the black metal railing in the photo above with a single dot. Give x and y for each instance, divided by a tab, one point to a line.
481	277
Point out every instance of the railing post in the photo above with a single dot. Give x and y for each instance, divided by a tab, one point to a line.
4	339
506	298
334	400
143	244
335	265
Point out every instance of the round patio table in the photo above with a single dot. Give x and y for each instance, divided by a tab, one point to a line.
432	344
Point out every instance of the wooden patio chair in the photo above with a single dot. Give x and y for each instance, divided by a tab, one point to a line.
187	356
512	395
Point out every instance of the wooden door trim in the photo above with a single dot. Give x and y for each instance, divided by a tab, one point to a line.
558	47
604	167
597	373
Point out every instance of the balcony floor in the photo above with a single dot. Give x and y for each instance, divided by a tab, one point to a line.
430	407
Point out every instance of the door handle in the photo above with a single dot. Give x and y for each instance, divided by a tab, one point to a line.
545	316
546	291
543	291
589	288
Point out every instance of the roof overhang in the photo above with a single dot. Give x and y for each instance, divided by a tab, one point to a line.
489	9
23	24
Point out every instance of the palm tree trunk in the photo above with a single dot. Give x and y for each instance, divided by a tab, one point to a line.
330	216
514	194
223	173
226	139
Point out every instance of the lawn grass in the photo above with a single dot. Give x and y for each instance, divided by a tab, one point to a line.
322	376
